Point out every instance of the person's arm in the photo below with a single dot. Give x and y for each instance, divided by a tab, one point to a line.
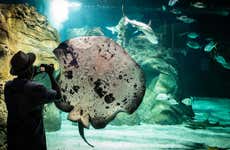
55	86
49	69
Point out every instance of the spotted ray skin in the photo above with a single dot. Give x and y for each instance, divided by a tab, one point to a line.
99	79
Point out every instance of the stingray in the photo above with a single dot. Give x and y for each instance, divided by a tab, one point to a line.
98	80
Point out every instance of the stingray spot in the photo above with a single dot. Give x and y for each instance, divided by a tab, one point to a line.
120	77
98	89
124	100
76	88
69	74
118	104
71	92
135	86
64	61
107	107
81	112
109	98
63	90
135	95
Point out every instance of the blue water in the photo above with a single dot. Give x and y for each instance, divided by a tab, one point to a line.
151	137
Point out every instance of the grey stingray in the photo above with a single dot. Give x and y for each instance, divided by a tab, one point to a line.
98	79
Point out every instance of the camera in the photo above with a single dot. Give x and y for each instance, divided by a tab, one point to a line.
49	68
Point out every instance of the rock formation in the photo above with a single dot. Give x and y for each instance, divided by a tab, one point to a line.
161	104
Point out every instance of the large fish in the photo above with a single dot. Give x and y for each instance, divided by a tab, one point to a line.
145	28
120	29
142	27
98	79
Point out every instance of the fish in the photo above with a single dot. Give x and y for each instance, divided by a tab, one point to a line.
193	45
172	2
210	46
222	13
176	11
142	27
221	60
120	27
145	28
209	39
198	5
107	81
112	29
187	101
120	30
185	19
192	35
164	8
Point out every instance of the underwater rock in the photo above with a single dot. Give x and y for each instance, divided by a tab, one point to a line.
78	32
162	83
3	110
3	119
23	28
140	43
3	138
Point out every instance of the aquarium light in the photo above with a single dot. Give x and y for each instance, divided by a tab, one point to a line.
59	11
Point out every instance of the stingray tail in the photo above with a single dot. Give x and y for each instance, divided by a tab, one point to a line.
81	132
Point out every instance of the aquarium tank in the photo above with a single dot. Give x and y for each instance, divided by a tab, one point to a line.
138	74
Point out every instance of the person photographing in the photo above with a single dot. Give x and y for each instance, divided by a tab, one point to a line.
25	99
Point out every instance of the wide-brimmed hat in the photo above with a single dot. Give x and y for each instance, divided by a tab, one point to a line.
20	62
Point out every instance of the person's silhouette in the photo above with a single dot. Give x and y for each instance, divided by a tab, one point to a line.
24	100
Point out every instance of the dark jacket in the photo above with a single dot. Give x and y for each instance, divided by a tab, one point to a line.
24	100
